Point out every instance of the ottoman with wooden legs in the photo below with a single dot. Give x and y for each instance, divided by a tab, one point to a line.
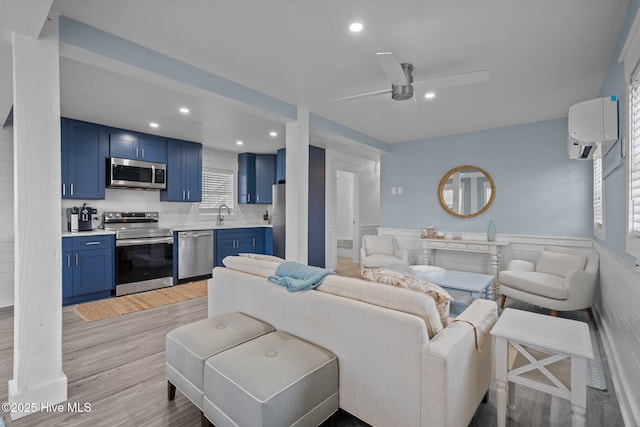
189	346
275	380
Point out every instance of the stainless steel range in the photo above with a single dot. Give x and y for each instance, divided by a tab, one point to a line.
144	251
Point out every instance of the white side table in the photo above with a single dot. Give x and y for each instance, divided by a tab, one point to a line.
544	353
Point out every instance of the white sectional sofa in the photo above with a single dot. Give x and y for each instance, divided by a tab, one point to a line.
391	372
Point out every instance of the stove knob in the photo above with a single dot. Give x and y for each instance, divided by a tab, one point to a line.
109	215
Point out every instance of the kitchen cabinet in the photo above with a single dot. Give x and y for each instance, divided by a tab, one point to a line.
233	241
83	153
88	268
256	175
184	172
281	165
137	146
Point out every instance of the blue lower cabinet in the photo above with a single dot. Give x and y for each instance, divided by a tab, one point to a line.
88	268
268	241
234	241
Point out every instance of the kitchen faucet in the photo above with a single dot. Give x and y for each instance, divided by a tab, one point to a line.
220	218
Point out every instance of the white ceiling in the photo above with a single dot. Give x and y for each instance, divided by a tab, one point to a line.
543	55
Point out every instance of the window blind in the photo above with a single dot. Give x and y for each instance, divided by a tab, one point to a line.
634	101
598	220
217	189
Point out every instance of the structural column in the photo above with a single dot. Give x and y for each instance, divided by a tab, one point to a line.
297	190
38	378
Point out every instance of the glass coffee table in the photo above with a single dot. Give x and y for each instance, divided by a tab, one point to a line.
474	284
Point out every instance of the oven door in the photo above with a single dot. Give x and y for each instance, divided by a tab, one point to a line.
143	264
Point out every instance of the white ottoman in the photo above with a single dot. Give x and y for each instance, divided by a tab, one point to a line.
190	345
275	380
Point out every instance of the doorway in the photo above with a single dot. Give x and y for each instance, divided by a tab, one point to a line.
346	215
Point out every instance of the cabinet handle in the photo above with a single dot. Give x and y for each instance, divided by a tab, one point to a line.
93	243
183	193
248	197
72	189
76	260
257	198
68	260
188	194
254	242
143	153
64	189
136	153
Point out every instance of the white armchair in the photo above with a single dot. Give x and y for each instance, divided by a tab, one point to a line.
378	251
562	279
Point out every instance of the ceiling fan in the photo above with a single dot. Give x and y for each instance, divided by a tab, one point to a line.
401	77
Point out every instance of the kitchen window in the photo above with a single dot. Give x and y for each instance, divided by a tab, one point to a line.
217	189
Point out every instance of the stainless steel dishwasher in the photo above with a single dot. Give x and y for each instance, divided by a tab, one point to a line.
195	254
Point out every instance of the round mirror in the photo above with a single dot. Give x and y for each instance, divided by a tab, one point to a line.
466	191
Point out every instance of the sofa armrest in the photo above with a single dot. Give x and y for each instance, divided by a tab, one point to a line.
455	374
521	265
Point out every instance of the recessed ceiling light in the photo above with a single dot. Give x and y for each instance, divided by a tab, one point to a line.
430	95
273	133
239	142
154	124
184	110
355	27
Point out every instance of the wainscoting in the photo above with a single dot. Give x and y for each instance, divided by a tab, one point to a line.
617	309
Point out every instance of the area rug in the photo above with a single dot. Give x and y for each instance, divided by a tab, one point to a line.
112	307
595	369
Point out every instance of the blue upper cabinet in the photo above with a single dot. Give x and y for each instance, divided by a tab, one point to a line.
256	175
281	165
184	172
265	177
246	178
84	148
137	146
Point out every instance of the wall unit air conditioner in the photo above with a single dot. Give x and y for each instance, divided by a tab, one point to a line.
592	122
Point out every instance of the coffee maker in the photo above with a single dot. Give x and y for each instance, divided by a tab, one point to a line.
80	219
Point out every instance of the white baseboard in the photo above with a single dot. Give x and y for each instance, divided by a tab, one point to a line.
45	396
6	299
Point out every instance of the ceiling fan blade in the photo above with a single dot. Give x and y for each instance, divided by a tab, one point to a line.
453	80
392	68
363	95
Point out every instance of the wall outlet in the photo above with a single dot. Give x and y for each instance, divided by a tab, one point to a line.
399	190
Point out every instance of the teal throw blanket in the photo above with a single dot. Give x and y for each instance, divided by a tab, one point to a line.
298	277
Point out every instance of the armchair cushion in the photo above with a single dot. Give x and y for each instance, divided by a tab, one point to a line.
534	282
560	264
384	245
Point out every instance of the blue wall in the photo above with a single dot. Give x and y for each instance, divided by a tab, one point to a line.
615	194
539	190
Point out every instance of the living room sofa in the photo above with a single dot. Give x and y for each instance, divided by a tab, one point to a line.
391	372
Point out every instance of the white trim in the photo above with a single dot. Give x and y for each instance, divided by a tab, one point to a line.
45	395
6	299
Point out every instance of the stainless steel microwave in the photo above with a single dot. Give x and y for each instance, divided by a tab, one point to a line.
126	173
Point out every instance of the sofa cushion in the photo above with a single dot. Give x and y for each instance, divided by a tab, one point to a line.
262	257
560	264
380	245
251	265
543	284
398	299
388	277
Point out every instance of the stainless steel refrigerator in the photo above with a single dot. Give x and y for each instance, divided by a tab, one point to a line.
278	219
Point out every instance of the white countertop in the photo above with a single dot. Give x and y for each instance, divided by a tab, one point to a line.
213	226
97	232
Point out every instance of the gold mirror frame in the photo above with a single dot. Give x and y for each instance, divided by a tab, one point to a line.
448	175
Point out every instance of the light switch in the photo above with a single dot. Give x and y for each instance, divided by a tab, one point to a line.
399	190
393	191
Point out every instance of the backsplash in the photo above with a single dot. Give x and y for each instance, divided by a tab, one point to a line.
172	214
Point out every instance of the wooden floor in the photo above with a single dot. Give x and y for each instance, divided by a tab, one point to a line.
117	366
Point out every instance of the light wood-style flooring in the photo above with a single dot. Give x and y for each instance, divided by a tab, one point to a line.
117	366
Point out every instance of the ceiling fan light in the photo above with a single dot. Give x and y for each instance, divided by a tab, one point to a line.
401	92
430	95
